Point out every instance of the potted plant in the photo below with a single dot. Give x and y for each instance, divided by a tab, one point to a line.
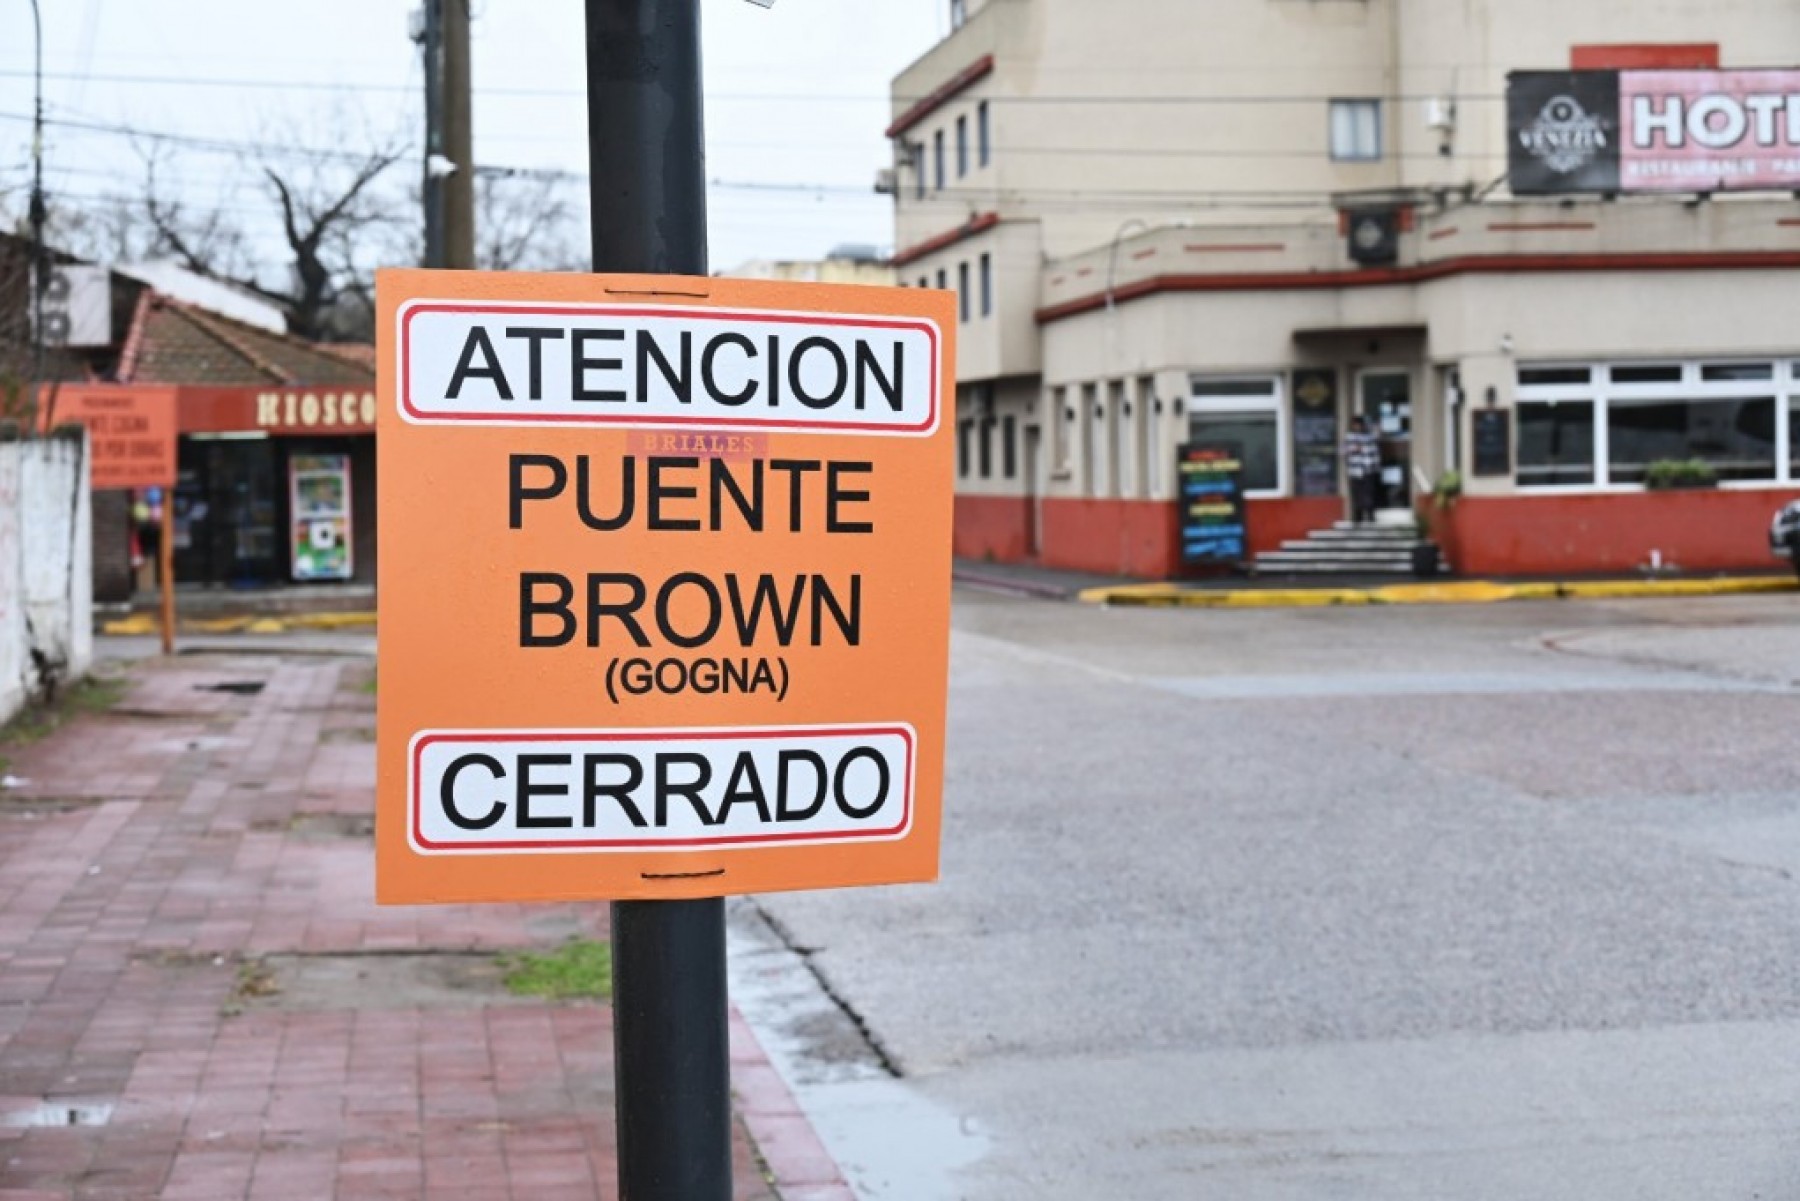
1668	474
1427	559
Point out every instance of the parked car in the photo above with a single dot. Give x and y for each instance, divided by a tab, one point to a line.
1784	533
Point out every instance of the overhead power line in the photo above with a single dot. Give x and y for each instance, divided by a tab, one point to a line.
313	85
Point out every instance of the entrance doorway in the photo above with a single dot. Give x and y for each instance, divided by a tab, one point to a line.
1384	399
227	512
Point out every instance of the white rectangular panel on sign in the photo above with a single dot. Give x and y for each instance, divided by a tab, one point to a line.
634	365
637	790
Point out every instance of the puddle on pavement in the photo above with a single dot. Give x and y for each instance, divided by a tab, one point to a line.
236	687
55	1113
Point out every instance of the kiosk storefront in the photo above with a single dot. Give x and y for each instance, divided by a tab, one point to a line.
276	486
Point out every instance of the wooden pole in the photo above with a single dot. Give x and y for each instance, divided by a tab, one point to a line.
165	569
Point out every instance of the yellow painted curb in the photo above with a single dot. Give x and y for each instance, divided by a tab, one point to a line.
1607	589
1133	594
145	623
1294	598
1460	592
329	621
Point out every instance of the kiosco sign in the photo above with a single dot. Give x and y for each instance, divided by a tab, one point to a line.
665	585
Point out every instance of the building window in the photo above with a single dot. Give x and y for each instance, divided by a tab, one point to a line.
962	291
1356	130
918	166
1246	412
987	448
924	281
1556	443
1605	425
1059	429
1149	455
1009	446
981	134
937	155
962	447
959	12
962	146
943	280
1793	426
1735	437
1090	404
987	285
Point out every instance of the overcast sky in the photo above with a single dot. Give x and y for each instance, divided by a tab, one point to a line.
797	99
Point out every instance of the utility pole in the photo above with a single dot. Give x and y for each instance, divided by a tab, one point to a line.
428	33
647	173
459	147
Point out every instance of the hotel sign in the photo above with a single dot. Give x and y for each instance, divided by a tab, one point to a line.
1653	131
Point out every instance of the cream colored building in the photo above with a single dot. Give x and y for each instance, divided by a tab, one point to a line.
1154	213
844	265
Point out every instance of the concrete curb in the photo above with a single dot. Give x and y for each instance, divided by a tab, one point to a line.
1462	592
797	1163
1011	585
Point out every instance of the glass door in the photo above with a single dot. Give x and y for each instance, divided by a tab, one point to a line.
1384	398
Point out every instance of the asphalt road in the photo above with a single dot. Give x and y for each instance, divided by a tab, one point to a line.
1484	902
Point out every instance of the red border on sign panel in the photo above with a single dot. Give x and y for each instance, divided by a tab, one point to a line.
928	328
424	739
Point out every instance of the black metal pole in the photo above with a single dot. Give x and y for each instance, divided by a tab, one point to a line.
40	258
670	1037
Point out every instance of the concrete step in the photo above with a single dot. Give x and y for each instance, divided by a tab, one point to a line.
1367	533
1275	560
1349	545
1402	523
1327	567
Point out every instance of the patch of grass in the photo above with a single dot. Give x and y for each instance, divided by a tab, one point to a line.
255	981
90	694
581	967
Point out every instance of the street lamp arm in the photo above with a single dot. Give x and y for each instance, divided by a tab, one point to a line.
1112	253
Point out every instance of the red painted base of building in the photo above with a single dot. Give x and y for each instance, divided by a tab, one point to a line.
1723	529
1706	529
1112	537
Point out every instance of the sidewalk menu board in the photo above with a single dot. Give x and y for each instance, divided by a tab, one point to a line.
1315	432
1210	493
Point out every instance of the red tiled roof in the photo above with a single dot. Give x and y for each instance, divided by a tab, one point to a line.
175	343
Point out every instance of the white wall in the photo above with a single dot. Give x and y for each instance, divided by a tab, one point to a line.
46	567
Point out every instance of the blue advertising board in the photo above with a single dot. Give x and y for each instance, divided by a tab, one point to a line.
1210	493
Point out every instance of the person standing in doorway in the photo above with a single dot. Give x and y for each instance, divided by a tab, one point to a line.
1362	463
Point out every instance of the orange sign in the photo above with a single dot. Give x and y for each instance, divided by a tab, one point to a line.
665	585
131	432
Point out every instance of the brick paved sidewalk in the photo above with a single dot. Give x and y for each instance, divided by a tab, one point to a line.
199	999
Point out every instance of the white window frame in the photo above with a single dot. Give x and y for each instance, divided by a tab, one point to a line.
1262	400
1354	111
1783	384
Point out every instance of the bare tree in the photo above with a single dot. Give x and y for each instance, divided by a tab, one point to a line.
206	239
327	216
526	221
